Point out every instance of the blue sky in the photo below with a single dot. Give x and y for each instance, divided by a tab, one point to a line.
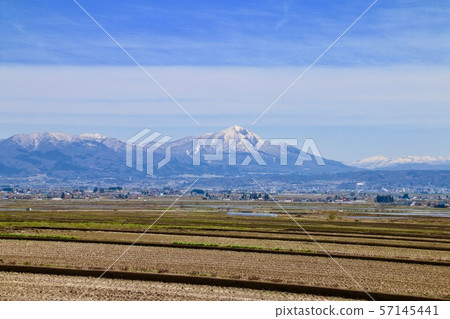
382	89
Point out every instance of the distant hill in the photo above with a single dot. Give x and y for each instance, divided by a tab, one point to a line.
404	163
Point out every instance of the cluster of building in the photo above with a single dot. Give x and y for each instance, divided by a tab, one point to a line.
120	193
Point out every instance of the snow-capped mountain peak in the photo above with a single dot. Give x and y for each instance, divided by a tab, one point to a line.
383	162
94	136
35	141
241	136
237	133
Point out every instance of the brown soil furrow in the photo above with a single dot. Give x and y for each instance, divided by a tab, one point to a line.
377	276
217	282
39	286
320	253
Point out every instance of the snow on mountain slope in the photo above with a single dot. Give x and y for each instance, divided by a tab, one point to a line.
35	141
407	162
240	135
92	155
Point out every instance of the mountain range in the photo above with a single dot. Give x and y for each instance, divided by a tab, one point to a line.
404	163
67	156
92	157
60	155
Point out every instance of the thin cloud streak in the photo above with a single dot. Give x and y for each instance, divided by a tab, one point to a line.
228	34
221	90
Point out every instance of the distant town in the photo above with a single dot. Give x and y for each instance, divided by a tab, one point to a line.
120	193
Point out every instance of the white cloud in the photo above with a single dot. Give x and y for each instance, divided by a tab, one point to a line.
408	95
